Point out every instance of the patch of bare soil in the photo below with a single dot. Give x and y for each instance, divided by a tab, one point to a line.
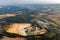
8	38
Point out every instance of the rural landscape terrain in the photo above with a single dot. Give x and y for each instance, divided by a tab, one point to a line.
40	22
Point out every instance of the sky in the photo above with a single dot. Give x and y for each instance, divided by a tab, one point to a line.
4	2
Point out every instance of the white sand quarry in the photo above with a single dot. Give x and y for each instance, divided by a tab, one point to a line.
21	28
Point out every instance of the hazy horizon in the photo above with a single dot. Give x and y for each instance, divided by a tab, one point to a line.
7	2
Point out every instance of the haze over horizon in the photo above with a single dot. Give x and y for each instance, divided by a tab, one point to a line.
7	2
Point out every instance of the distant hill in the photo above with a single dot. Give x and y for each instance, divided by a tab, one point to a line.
26	7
